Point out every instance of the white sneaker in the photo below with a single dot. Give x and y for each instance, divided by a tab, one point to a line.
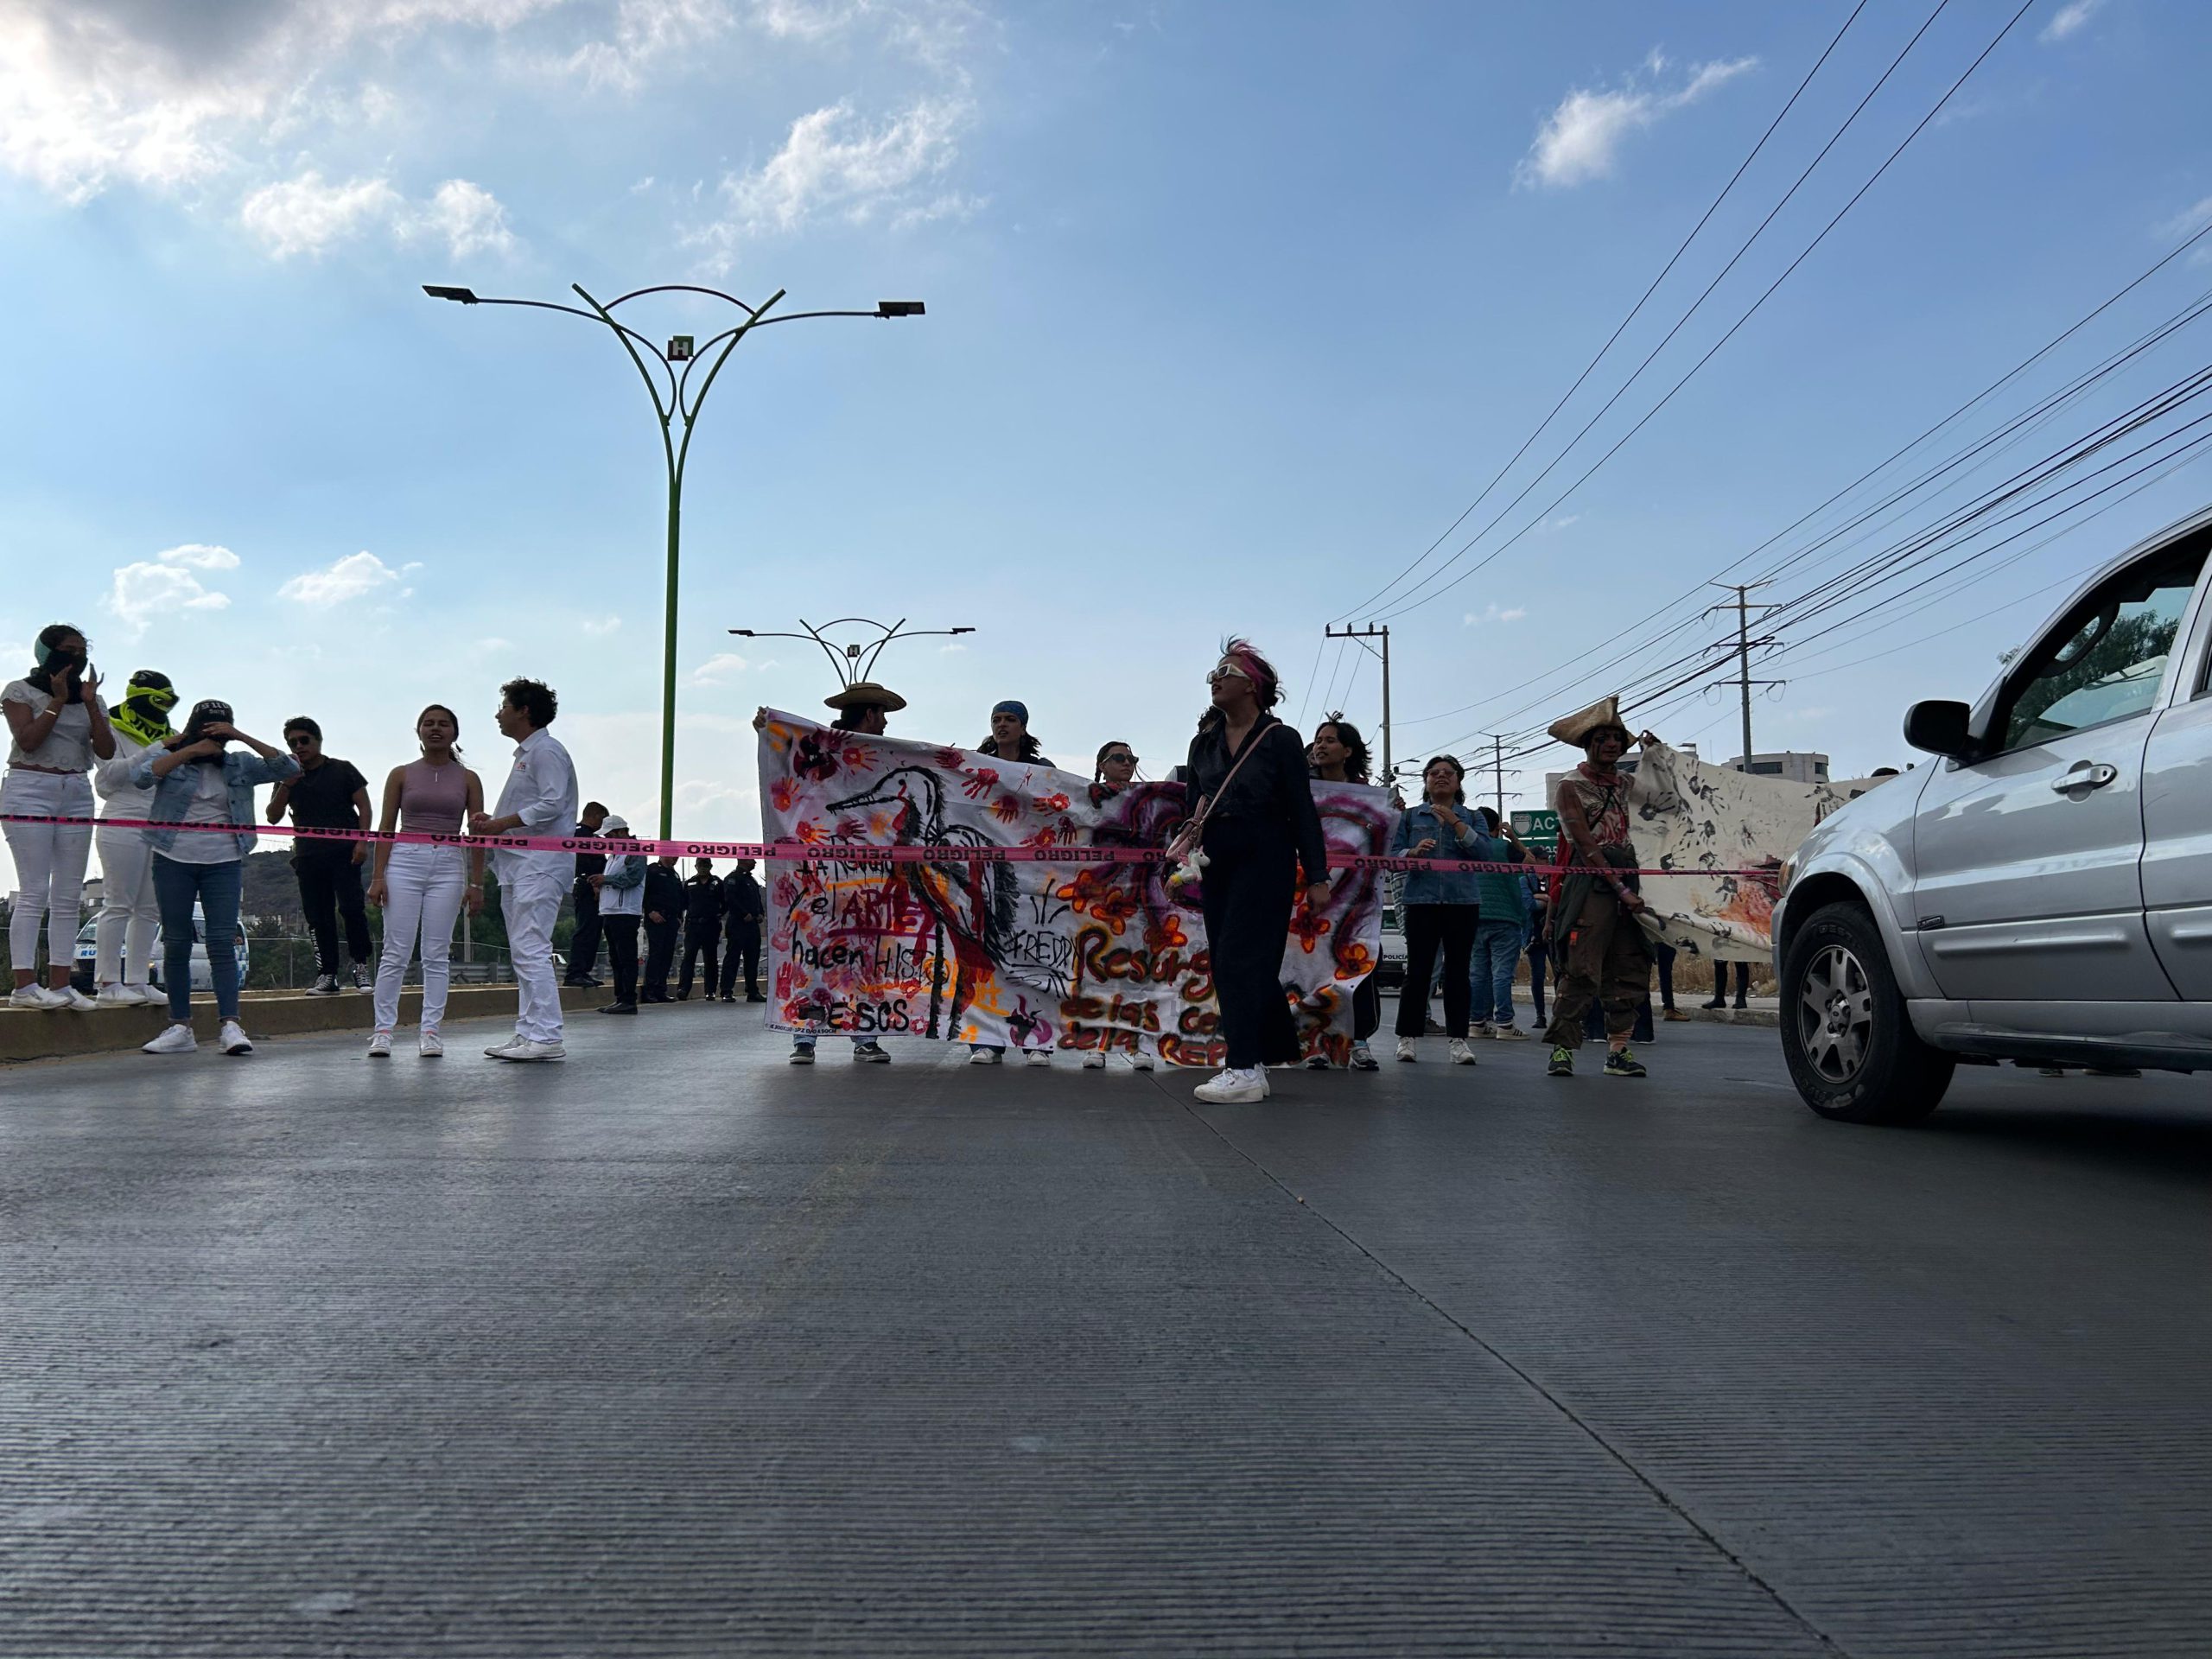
1094	1059
380	1045
500	1050
1139	1062
522	1051
432	1046
176	1040
1406	1051
233	1038
1234	1087
1036	1056
1461	1054
74	998
119	996
985	1057
37	996
1510	1034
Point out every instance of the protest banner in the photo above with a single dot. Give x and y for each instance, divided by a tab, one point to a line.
1030	951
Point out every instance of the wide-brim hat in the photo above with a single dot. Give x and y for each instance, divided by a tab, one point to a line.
866	694
1575	728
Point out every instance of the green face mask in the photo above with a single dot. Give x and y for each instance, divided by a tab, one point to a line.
144	714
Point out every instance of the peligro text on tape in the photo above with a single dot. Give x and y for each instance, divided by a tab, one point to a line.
824	852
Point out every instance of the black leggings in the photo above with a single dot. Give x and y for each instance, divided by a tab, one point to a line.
621	935
1428	927
1247	896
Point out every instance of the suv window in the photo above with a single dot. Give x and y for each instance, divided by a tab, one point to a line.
2105	661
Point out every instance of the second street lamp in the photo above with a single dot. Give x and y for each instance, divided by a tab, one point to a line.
677	412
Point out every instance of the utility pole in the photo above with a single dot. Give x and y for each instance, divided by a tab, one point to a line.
1362	636
1743	680
1497	766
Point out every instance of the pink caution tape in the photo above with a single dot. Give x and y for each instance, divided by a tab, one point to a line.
803	852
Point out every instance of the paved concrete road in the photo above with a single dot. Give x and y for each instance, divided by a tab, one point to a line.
675	1350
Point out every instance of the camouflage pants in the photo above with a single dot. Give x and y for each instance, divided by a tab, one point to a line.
1606	959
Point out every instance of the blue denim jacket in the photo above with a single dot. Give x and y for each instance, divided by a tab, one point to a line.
243	770
1419	823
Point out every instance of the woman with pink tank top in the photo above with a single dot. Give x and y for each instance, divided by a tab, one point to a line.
421	887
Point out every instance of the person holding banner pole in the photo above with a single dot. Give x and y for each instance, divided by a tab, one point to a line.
1255	827
1339	754
1010	740
539	799
421	888
1112	770
862	707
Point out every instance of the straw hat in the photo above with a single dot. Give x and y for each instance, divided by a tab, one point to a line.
1575	730
866	694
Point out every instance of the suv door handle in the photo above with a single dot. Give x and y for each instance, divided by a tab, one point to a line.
2082	777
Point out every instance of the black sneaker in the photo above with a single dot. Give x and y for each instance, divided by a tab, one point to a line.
1622	1064
1563	1064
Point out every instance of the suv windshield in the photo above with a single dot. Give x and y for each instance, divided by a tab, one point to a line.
2107	664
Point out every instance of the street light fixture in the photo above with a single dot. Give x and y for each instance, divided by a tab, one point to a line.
854	662
679	408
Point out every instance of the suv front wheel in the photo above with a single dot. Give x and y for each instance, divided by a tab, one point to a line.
1851	1049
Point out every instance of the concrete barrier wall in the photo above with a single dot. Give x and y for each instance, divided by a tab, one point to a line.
30	1034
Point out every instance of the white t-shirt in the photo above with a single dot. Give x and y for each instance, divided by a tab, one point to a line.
68	746
210	804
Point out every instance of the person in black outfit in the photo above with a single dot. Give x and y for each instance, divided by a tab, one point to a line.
664	898
702	928
1720	984
584	944
1248	777
329	794
744	908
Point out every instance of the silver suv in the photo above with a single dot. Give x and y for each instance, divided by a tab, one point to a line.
2044	891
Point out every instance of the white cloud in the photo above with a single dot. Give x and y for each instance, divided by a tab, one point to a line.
166	584
1580	139
355	576
1491	613
601	627
170	94
718	670
2070	19
306	215
470	219
645	33
835	162
948	650
2188	222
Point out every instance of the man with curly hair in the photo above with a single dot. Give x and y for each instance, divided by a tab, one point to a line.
539	799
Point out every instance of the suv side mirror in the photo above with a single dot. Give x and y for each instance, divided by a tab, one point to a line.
1940	728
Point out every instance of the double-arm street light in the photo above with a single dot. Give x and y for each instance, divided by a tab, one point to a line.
678	413
854	663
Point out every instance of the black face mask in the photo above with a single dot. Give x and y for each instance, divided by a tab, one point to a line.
57	662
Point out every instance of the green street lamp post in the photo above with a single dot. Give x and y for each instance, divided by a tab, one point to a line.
678	413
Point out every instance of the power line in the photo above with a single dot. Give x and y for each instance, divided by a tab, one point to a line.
1634	311
1711	353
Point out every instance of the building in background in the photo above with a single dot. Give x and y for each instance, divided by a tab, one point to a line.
1789	765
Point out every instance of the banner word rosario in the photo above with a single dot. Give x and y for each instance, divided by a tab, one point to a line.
944	894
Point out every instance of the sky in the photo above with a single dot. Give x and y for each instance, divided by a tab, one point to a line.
1233	308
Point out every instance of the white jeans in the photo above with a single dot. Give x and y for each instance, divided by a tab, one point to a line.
130	916
530	899
425	886
49	863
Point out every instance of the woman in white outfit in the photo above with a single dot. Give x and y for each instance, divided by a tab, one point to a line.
56	729
130	916
421	888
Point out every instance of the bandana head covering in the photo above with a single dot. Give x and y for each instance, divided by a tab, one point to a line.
1018	709
144	714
